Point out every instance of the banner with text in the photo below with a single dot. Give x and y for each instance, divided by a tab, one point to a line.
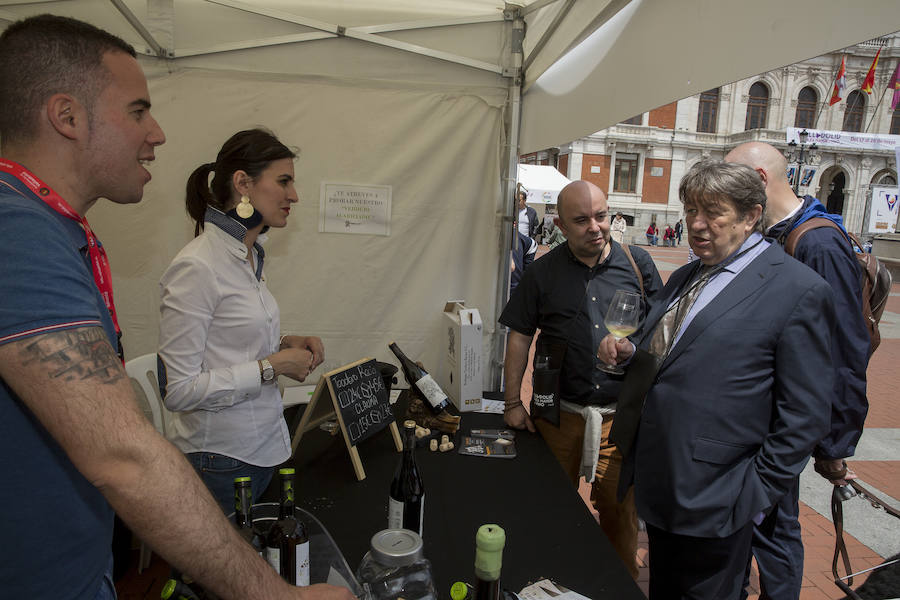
351	208
850	140
883	214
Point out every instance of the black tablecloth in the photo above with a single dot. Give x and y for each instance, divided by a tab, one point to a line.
549	530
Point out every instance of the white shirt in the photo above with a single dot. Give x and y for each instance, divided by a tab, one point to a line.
216	321
524	223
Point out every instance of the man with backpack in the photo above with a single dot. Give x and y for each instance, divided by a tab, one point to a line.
826	249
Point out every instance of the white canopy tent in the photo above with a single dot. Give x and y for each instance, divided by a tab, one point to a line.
541	183
425	97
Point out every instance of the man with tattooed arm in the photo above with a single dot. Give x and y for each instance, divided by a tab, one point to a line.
75	126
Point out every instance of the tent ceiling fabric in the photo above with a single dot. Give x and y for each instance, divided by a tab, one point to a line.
652	52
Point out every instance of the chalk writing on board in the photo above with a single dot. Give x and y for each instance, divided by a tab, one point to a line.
363	400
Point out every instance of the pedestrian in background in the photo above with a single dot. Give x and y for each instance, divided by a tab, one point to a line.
617	229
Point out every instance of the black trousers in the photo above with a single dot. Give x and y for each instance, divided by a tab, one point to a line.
684	567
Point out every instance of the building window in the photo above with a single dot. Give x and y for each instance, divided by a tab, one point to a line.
757	106
895	123
708	111
806	108
626	173
635	120
856	108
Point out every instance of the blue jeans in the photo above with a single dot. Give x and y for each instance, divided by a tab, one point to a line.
107	589
218	473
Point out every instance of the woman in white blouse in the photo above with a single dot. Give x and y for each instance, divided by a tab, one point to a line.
220	345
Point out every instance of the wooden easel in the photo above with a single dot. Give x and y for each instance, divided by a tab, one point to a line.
318	412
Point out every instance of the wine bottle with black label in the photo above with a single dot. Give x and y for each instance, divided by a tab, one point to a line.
419	379
243	506
489	543
406	503
287	545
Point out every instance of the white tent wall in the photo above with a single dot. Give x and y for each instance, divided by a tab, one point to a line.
357	292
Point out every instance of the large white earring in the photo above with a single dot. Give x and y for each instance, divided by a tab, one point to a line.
244	209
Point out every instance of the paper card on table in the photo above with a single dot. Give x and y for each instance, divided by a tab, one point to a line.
547	590
494	407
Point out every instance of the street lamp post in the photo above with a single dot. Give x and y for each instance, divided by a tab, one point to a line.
801	155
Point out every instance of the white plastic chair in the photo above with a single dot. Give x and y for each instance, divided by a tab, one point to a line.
143	370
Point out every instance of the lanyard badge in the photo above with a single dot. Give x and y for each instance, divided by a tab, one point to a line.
96	253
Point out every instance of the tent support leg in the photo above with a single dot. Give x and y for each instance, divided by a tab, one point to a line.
507	188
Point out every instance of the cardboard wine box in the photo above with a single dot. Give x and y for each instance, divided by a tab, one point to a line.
460	372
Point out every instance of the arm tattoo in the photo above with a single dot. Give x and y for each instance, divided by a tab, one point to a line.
75	355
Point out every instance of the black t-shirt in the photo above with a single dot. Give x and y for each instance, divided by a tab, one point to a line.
566	299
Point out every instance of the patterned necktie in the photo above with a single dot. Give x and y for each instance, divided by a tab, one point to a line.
670	324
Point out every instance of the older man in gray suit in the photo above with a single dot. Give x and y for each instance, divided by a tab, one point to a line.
738	345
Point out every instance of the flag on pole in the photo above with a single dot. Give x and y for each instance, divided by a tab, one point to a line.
869	81
894	84
839	83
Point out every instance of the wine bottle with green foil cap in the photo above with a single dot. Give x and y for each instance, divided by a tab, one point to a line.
177	590
489	543
287	545
243	506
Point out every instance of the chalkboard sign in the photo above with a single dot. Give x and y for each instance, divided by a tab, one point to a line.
360	402
362	399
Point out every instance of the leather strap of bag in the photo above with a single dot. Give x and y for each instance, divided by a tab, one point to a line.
840	549
637	271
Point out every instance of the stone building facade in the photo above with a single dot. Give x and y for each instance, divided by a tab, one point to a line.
640	162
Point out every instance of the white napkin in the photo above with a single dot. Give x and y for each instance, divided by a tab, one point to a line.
593	424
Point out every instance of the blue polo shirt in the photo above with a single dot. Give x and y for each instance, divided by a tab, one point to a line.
57	527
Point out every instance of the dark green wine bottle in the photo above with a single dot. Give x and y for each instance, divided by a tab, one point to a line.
177	590
287	545
243	509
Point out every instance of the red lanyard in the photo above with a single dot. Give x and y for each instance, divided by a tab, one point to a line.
99	262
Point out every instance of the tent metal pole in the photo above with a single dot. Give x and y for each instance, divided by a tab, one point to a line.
141	30
426	23
358	34
554	25
508	186
293	38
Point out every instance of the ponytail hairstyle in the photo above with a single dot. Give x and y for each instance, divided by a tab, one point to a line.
251	151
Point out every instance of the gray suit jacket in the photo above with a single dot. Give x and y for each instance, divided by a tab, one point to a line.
739	403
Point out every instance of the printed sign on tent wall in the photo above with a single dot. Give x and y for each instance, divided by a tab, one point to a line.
352	208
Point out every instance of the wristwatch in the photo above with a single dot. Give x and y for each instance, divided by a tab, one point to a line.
266	371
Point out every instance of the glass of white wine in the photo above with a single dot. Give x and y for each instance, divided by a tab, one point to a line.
622	319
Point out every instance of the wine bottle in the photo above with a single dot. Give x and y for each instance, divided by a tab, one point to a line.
406	502
489	543
177	590
243	505
419	379
287	545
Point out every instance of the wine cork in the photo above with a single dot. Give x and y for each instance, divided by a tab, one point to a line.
434	445
420	432
445	446
445	438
